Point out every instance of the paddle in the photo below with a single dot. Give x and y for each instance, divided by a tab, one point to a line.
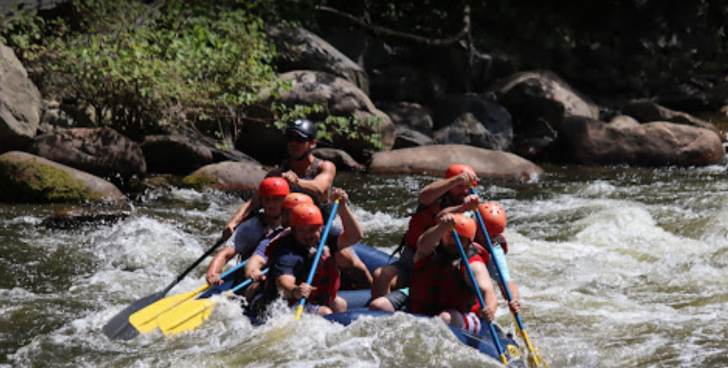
494	334
191	314
119	328
146	319
536	359
316	259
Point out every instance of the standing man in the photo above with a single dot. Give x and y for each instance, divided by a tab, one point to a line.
303	171
306	173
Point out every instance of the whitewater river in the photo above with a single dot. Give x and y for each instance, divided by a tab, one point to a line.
617	267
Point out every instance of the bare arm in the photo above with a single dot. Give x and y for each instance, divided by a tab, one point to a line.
318	186
218	262
480	272
236	220
429	240
287	283
470	203
429	194
246	209
352	232
253	268
515	303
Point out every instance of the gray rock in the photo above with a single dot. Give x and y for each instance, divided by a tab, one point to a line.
593	142
342	160
28	178
228	176
434	160
20	104
174	154
99	151
299	49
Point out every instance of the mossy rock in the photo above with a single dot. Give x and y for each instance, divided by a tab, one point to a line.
228	176
199	181
26	178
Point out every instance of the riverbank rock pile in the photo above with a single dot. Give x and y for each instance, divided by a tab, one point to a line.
423	126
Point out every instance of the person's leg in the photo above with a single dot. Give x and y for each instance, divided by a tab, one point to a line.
385	278
394	301
324	311
381	304
353	269
469	321
338	305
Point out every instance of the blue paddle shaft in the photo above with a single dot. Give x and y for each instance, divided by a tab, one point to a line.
477	290
320	249
226	274
495	259
245	283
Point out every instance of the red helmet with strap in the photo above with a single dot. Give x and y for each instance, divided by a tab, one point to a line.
465	226
294	199
457	169
306	214
273	187
494	217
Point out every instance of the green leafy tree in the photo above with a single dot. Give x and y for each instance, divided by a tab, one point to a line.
134	65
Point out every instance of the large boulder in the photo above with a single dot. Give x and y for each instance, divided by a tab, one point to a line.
99	151
299	49
434	160
28	178
539	102
408	137
228	176
468	130
594	142
409	114
480	109
20	103
342	160
174	154
647	111
337	96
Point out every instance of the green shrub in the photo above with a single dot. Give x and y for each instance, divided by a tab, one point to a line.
132	65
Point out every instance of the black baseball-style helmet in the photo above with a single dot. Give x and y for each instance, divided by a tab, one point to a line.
302	127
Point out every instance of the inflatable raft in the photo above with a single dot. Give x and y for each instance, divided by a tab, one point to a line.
358	300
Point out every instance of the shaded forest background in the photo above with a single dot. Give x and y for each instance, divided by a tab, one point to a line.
117	57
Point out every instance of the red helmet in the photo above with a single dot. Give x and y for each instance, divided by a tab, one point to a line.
306	214
273	187
457	169
294	199
465	226
494	217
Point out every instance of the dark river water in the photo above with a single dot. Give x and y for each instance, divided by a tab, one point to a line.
617	267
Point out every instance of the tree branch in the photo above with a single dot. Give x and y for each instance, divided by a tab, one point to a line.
425	40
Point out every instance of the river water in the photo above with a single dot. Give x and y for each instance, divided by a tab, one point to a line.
617	267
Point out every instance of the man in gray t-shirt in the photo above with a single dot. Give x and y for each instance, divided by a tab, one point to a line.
256	228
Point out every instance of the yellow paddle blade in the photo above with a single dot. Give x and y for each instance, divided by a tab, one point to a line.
186	317
534	360
147	319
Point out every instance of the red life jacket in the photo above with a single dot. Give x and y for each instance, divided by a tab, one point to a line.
423	219
327	278
437	284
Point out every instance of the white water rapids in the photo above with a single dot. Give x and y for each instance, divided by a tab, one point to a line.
616	268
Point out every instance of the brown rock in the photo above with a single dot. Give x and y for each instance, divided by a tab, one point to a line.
434	160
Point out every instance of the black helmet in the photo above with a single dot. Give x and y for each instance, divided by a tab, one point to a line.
304	128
